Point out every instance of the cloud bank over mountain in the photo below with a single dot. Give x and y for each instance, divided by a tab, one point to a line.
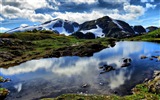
29	11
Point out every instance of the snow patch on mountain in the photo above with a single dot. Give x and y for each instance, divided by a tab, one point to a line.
49	26
98	31
76	29
114	21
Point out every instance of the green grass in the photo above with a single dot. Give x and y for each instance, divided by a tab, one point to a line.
40	43
152	36
36	45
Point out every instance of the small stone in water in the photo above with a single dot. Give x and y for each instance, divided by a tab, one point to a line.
143	57
158	58
85	85
151	58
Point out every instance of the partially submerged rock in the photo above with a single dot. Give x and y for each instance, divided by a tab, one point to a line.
125	65
154	56
2	80
143	57
85	85
151	58
3	92
126	62
158	58
106	68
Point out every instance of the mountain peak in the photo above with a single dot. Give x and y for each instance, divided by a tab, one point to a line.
62	26
101	27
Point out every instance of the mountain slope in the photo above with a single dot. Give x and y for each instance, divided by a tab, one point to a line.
139	29
102	27
108	27
58	25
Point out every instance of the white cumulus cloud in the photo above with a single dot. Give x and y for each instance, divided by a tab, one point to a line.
12	12
148	5
117	1
131	12
3	29
1	19
143	1
83	1
26	9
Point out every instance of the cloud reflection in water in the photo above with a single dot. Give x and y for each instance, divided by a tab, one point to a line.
86	67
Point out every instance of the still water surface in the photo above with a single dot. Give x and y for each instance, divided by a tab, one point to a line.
55	76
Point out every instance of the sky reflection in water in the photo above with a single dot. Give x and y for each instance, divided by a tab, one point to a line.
69	73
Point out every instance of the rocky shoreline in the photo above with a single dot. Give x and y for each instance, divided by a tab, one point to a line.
16	49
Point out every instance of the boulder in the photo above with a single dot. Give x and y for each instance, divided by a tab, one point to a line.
126	62
3	93
89	35
79	35
154	56
85	85
125	65
143	57
106	68
2	80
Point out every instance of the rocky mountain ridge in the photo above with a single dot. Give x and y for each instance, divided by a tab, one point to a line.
101	27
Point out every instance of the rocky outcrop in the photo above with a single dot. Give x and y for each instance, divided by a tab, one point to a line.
3	91
81	35
86	49
106	68
143	57
89	35
13	48
151	28
154	84
139	29
126	62
88	25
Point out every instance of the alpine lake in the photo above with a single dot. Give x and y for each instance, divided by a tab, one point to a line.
51	77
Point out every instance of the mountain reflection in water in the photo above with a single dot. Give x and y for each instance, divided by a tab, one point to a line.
55	76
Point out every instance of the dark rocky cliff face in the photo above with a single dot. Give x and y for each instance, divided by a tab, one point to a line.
109	26
139	29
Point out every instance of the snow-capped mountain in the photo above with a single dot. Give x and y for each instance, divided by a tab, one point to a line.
102	27
59	25
107	27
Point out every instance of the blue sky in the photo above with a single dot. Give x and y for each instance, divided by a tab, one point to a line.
14	13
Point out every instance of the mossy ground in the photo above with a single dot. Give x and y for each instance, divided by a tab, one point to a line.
43	43
35	45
